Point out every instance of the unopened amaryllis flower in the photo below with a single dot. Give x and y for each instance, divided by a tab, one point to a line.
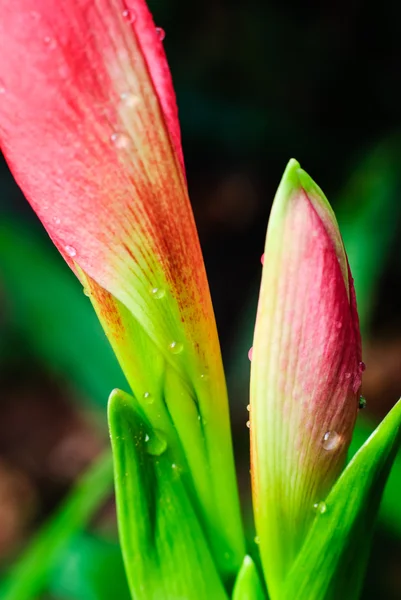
89	127
306	370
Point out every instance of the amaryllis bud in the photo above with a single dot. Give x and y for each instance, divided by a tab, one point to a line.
306	370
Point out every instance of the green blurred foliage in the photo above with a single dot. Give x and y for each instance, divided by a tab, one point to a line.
55	320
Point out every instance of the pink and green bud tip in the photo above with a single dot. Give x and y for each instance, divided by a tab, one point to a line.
306	371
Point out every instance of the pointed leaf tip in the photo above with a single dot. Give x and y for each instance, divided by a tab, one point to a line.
164	548
248	585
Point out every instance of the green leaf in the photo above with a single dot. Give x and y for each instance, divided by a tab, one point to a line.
30	574
164	548
331	564
390	510
247	585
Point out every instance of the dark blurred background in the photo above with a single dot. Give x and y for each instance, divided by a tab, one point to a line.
257	82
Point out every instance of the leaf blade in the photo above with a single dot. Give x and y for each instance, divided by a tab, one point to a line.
164	548
29	576
332	562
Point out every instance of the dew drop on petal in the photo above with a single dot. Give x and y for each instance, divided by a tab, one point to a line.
50	42
70	250
86	292
204	377
176	347
129	99
129	15
161	34
331	440
156	443
262	259
158	293
362	402
320	507
248	408
339	324
347	375
120	140
250	353
248	424
56	220
256	539
362	366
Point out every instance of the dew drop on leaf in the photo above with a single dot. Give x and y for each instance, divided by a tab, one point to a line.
147	396
320	507
176	347
331	440
156	443
158	293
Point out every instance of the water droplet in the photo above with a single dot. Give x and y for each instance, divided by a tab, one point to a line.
158	293
339	324
204	377
50	42
176	347
120	140
161	34
148	397
362	402
362	366
320	507
262	259
248	424
250	353
129	99
248	408
174	466
56	220
70	250
331	440
86	292
347	375
155	443
256	539
129	15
